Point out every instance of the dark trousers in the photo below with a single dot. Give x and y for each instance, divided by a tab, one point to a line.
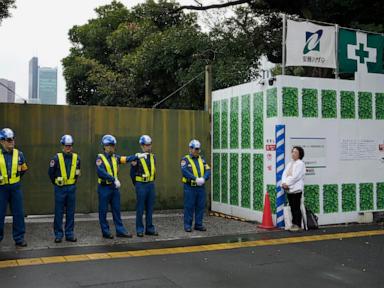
194	203
65	201
109	195
145	200
11	193
294	200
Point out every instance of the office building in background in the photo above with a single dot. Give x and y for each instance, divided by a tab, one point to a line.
7	91
42	83
33	94
48	85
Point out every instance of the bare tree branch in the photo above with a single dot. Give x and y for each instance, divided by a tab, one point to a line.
198	3
214	6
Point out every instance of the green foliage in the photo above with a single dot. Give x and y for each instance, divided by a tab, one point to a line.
5	6
271	102
330	198
348	197
258	121
258	180
365	105
246	180
290	102
309	107
137	57
328	104
311	197
347	103
379	106
216	177
366	196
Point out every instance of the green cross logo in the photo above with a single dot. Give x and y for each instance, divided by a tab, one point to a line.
361	53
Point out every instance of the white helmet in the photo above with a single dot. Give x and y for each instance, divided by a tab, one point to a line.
6	133
145	140
195	144
108	140
66	140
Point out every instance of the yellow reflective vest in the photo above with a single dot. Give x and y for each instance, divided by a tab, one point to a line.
14	178
64	179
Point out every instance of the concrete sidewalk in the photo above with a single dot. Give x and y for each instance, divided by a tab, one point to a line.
169	224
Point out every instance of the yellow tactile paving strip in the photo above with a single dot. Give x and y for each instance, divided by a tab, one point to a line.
181	250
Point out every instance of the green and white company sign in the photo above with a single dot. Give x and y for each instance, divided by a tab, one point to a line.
360	52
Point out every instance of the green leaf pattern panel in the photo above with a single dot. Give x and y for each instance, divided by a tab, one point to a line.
234	125
380	195
224	124
224	177
233	179
216	125
348	196
328	104
290	102
258	178
347	104
366	196
258	121
246	180
330	198
379	106
271	102
365	105
216	177
311	197
309	103
272	197
246	121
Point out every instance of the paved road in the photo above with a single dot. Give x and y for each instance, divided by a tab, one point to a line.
349	257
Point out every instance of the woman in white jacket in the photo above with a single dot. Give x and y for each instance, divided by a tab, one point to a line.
293	184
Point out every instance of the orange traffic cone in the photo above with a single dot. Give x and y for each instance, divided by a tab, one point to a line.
267	214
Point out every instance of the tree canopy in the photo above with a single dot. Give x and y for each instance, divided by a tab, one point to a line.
5	6
136	57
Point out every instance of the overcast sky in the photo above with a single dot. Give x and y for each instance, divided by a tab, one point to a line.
40	28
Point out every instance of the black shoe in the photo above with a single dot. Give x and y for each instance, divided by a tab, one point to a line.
188	230
140	234
21	244
72	239
152	233
108	236
126	235
202	228
58	240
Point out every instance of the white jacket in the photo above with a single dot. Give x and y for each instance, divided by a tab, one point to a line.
296	181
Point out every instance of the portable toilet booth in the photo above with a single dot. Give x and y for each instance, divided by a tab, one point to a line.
340	125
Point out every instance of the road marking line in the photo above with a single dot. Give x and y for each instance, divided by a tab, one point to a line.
186	249
29	261
8	263
54	259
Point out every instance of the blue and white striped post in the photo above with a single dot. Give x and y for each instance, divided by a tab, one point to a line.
280	165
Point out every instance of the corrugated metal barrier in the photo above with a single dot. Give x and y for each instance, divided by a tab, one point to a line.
39	128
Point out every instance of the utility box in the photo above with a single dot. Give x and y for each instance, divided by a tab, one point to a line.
340	125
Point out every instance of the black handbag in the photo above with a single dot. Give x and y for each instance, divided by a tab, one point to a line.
311	220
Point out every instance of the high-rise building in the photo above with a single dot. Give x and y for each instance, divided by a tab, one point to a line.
48	85
33	94
42	83
7	91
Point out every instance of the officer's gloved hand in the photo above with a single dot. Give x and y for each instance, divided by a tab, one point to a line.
200	181
117	183
142	155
